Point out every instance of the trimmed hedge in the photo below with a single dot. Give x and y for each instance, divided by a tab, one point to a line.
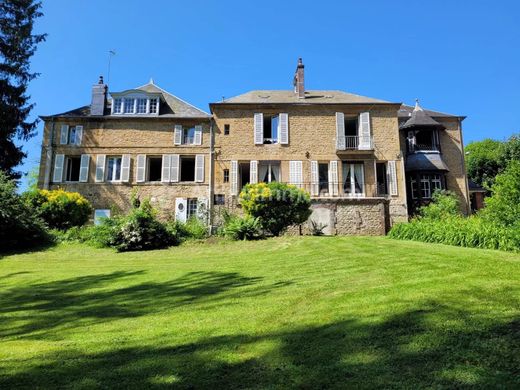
473	232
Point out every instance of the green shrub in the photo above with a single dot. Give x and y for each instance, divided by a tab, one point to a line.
503	207
58	208
194	228
317	228
472	232
20	226
277	205
444	204
246	228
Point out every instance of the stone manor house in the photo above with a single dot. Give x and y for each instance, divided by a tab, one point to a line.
366	163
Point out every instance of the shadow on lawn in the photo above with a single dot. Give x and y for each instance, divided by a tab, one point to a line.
36	308
406	350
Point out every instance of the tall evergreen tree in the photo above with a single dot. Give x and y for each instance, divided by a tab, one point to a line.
17	45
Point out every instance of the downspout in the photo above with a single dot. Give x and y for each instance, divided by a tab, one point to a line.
48	157
211	174
468	205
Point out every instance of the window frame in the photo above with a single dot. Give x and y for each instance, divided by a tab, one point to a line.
227	129
269	172
192	208
185	158
67	167
353	193
271	140
185	135
114	158
225	175
148	160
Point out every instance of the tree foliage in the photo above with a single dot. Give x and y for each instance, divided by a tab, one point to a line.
17	45
483	161
277	205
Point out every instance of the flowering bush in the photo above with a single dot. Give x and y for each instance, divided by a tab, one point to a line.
60	209
277	205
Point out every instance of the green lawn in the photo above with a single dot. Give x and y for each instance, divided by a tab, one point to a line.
314	312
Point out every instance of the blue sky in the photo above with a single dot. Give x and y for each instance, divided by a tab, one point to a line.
460	57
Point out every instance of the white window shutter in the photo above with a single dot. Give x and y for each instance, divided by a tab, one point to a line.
79	134
259	128
83	168
100	168
174	168
340	131
253	172
57	177
284	128
392	177
202	209
199	168
166	168
64	135
364	131
198	135
181	205
299	173
315	186
333	178
125	168
234	177
140	172
177	138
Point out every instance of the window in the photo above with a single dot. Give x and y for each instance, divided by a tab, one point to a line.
72	166
141	105
436	182
154	168
425	186
187	168
413	184
118	102
188	135
382	186
219	199
323	174
191	209
129	105
351	126
423	140
268	172
353	179
100	214
226	129
154	106
270	129
114	168
226	175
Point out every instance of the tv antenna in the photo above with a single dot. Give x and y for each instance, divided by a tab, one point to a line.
110	54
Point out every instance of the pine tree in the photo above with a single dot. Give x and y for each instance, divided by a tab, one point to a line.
17	45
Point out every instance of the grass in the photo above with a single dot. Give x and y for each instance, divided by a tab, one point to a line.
314	312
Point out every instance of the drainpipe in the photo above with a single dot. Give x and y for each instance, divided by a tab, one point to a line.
211	173
48	157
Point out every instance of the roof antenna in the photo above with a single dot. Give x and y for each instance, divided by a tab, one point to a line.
110	54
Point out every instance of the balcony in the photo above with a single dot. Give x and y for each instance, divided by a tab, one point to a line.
426	147
354	142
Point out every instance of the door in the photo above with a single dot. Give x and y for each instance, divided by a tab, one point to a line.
181	209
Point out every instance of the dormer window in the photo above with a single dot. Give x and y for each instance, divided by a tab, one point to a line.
133	104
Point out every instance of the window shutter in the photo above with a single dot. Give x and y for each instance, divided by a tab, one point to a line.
314	178
259	128
140	172
174	168
198	135
295	173
253	172
199	168
79	134
181	205
125	168
57	177
340	131
166	168
284	128
234	177
64	136
177	138
100	168
333	178
392	177
364	131
83	168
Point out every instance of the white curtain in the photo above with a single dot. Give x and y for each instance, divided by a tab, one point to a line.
358	177
347	188
275	172
262	173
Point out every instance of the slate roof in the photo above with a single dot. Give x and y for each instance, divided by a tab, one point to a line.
171	107
425	162
311	97
474	187
406	111
419	118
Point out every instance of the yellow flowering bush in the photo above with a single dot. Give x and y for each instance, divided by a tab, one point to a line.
60	209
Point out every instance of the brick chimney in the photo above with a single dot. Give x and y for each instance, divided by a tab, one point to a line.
99	98
299	85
